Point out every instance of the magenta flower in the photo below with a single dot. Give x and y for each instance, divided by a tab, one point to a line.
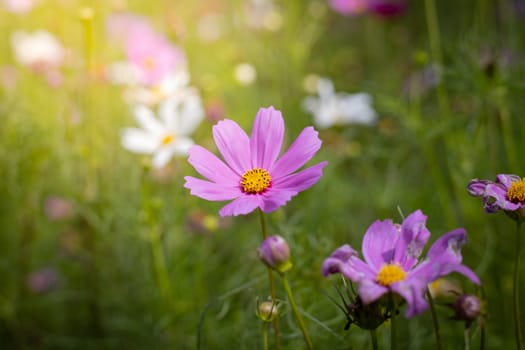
391	256
252	175
506	193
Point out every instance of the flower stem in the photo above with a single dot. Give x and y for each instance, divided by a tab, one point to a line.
373	337
435	50
392	322
466	337
272	285
517	325
296	312
483	336
159	264
265	335
435	321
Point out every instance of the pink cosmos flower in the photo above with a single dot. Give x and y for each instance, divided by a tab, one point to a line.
506	193
391	261
252	175
153	56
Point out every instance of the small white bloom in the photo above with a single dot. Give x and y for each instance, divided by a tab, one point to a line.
37	48
167	135
332	108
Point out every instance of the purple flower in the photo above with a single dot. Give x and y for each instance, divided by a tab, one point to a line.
506	193
252	175
275	253
391	255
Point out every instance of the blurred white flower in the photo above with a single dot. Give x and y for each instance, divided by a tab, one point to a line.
263	14
19	6
210	27
171	85
38	50
168	135
332	108
245	74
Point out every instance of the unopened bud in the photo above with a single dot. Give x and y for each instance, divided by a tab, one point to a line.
467	308
275	253
267	311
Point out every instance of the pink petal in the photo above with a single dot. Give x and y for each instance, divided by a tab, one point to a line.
211	167
300	181
369	291
243	205
299	153
413	291
234	145
414	235
267	137
209	190
379	242
272	200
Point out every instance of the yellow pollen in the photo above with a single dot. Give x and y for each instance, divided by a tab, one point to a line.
389	274
256	180
516	191
166	140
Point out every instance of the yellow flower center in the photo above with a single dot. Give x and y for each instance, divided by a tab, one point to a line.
516	191
389	274
256	180
166	140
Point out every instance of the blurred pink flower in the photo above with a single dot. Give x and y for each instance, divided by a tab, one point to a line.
382	8
387	8
57	208
120	26
153	56
43	280
350	7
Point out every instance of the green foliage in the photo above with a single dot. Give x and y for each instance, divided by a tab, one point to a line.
65	142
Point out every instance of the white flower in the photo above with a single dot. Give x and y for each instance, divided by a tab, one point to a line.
37	48
171	85
168	135
332	108
19	6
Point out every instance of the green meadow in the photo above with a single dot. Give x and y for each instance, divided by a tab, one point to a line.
99	249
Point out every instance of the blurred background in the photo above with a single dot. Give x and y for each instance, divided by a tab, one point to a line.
101	247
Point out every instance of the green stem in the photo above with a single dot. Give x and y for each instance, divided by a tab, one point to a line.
483	336
435	321
296	312
272	285
265	335
392	323
435	49
159	264
517	325
466	337
373	337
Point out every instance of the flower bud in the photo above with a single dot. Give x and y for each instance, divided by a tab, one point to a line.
267	311
467	307
275	253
